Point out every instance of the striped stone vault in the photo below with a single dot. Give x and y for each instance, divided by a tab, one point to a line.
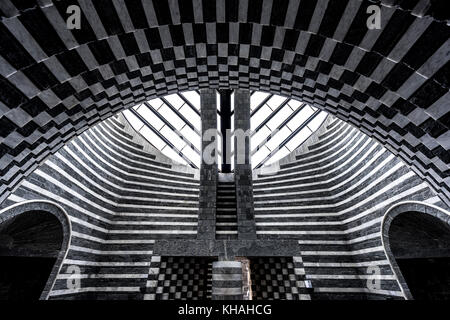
387	140
391	83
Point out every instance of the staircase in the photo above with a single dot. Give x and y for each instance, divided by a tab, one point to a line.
226	219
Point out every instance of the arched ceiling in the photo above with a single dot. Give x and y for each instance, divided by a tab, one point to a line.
391	83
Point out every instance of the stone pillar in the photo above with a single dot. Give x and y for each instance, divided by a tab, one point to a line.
243	167
206	229
246	278
227	280
225	124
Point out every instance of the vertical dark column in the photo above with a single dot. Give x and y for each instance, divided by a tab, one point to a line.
206	229
242	166
225	124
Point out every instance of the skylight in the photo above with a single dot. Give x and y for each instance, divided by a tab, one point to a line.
172	125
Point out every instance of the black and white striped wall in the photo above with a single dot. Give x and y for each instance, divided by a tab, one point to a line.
120	194
331	195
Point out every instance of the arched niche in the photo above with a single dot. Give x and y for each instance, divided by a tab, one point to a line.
36	228
416	237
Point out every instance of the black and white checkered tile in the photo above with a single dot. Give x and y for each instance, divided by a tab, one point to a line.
180	278
391	83
279	278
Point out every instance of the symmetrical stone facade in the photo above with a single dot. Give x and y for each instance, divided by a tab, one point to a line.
129	211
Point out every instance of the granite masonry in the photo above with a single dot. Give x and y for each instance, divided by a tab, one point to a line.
134	217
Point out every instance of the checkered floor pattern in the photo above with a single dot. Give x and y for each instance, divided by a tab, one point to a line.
275	278
184	278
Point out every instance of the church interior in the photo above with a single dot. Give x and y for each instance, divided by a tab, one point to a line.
224	150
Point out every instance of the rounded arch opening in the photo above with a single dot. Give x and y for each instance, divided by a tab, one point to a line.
34	239
416	238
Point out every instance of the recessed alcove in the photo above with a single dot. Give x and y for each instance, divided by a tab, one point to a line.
29	247
420	244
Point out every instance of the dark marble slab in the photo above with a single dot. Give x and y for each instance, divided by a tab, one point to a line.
227	248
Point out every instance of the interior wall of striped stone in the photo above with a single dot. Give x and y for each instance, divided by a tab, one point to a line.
331	195
120	194
180	278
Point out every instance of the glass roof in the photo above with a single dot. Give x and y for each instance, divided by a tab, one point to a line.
172	125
